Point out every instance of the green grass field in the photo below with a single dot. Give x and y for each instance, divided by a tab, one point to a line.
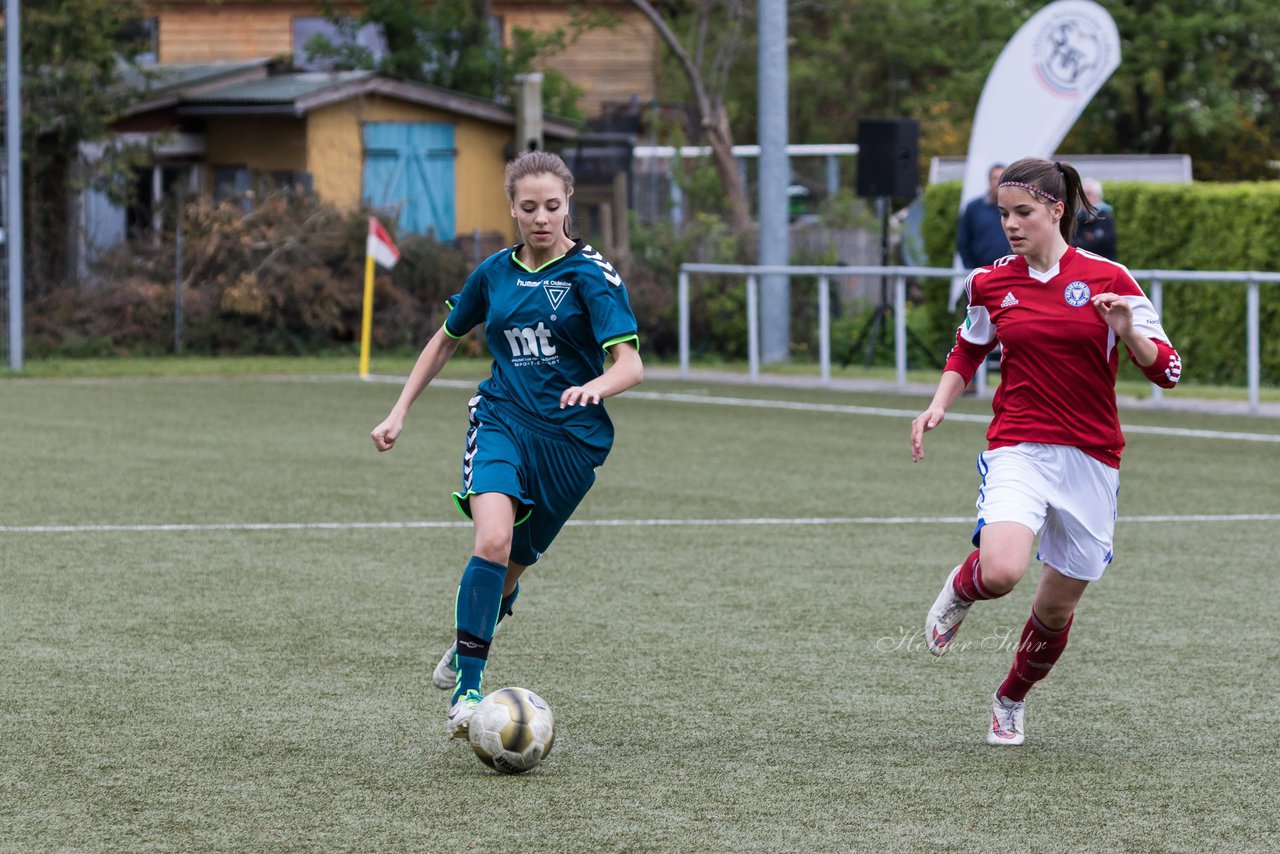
213	640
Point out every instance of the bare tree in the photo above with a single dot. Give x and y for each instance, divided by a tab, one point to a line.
712	116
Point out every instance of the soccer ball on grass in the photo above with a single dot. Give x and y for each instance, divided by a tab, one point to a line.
512	730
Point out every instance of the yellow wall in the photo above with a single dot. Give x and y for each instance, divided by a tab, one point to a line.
335	158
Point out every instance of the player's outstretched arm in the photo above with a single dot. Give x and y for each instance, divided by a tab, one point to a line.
626	371
949	388
430	361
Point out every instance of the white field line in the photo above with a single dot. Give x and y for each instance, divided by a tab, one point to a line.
912	413
596	523
708	400
849	409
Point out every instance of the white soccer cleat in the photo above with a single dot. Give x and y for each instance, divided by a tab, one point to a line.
459	723
445	676
945	617
1006	722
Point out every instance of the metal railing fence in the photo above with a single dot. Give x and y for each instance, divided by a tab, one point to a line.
1152	280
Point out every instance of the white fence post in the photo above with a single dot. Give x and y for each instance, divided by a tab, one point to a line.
682	298
900	329
824	328
753	328
1253	345
1157	300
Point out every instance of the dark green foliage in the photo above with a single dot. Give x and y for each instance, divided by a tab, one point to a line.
1170	227
71	91
451	44
718	307
1195	78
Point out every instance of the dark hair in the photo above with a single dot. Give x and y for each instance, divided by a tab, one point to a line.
1051	181
539	163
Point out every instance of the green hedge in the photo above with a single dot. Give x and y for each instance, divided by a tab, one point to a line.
1169	227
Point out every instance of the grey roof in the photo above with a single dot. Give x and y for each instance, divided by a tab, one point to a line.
155	79
278	89
297	93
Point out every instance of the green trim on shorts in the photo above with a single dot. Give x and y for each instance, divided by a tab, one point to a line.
621	339
459	497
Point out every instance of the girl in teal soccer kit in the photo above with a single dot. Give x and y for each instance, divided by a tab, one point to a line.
551	307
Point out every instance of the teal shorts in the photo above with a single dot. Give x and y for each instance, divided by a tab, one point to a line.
541	468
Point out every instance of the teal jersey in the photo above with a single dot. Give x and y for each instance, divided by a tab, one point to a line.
548	329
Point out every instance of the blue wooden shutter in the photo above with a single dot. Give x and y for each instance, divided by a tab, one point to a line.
408	168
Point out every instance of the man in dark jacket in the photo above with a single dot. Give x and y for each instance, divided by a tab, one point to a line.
1097	235
981	237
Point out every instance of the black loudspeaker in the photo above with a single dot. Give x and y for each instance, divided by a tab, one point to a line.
888	151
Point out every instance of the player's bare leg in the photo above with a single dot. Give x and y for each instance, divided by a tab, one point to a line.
988	573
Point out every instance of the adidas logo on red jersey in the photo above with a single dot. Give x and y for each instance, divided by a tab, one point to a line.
1009	299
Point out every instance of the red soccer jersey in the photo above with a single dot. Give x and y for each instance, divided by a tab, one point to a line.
1059	362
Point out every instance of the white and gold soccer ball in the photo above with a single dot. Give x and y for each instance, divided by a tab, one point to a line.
512	730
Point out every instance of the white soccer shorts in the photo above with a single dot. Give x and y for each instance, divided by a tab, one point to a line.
1059	492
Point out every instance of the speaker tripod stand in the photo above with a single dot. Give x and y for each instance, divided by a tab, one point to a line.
874	329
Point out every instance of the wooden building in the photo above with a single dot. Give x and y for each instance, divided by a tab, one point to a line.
431	158
613	65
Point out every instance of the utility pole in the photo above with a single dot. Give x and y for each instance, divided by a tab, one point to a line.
775	176
13	187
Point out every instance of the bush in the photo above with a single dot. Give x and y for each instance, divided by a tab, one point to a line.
285	277
717	305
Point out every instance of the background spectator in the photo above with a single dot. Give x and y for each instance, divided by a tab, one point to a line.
981	239
1097	234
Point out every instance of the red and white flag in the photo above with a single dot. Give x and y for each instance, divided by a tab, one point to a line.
379	245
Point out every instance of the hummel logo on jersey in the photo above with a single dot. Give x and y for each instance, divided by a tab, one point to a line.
1009	299
610	274
525	283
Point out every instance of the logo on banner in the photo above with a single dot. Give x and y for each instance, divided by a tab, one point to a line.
1070	54
1076	294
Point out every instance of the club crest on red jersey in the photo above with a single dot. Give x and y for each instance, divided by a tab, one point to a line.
1077	294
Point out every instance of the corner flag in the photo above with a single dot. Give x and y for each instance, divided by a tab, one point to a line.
379	249
379	246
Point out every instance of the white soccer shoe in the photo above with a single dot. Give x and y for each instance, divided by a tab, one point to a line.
945	617
445	676
1006	722
459	723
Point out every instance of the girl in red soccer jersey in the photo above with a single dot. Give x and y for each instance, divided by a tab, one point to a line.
1053	458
